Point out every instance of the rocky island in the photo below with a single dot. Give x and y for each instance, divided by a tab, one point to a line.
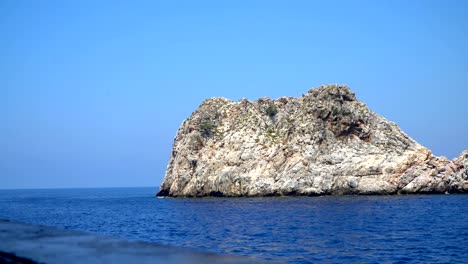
325	142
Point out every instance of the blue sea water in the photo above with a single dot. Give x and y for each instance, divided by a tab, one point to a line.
344	229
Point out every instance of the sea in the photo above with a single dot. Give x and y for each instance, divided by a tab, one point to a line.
323	229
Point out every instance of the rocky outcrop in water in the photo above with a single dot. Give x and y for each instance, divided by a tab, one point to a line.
325	142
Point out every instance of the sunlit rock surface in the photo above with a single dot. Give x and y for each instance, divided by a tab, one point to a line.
325	142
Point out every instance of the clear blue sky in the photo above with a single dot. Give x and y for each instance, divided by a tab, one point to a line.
92	92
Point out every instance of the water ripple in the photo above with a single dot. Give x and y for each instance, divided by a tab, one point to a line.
348	229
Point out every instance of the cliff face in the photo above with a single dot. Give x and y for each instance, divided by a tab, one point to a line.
325	142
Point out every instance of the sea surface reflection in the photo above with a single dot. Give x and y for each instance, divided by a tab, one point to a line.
345	229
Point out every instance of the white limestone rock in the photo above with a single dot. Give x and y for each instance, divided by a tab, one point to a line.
325	142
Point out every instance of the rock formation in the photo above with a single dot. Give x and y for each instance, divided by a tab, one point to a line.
325	142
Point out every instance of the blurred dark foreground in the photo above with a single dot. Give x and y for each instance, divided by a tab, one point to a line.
23	243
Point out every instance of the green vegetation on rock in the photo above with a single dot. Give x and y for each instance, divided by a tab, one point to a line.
272	111
207	128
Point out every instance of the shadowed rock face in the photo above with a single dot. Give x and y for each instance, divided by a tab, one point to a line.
325	142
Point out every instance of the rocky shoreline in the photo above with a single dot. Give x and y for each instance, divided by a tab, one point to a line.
325	142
